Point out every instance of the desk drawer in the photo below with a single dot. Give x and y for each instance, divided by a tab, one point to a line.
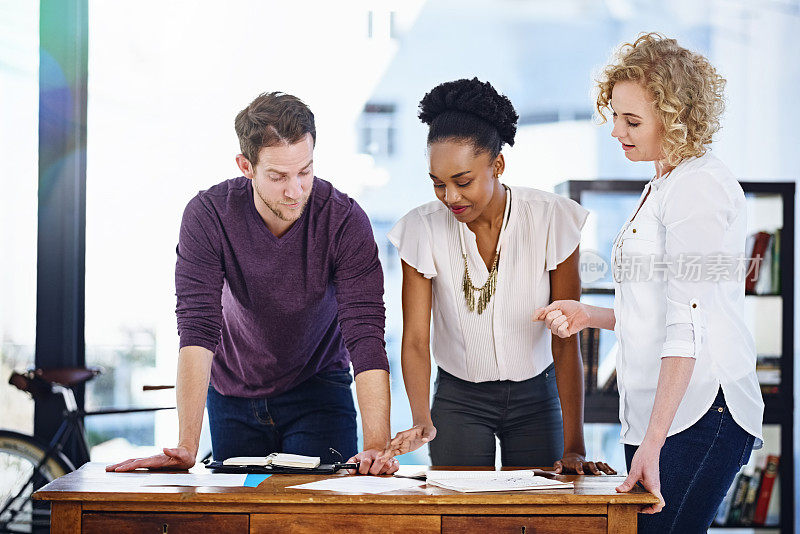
525	524
147	523
344	524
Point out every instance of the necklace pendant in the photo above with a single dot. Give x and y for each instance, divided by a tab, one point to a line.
485	292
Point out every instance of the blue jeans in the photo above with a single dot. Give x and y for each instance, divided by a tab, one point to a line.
308	419
697	466
525	416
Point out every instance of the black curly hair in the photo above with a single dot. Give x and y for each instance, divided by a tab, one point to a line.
469	110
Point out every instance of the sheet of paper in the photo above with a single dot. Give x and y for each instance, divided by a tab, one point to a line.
475	481
481	475
361	484
181	479
412	471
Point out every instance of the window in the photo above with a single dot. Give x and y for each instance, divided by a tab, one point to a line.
378	131
19	145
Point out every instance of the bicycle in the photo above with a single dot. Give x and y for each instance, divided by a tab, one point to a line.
26	463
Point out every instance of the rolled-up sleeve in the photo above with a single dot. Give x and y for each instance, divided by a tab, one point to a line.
199	277
696	215
358	279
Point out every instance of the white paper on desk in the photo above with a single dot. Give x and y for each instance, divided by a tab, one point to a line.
181	479
360	484
474	481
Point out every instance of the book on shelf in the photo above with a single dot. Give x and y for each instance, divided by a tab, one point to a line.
776	263
763	274
765	490
749	499
589	344
585	342
749	503
741	484
768	371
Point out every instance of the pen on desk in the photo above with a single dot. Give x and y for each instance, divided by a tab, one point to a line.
346	466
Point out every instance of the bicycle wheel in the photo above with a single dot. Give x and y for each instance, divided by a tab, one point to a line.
19	456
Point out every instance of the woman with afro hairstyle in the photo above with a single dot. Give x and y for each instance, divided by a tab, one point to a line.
690	404
480	260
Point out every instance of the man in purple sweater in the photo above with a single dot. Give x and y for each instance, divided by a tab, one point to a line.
279	289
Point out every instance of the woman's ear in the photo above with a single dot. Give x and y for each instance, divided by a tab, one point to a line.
499	165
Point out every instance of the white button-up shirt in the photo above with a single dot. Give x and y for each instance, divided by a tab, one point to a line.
502	343
679	271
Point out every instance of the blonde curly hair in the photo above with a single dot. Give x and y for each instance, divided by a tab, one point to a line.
687	92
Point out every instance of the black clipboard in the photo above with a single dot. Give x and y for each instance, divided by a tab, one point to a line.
322	469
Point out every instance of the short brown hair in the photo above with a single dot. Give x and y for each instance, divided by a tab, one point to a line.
686	89
273	119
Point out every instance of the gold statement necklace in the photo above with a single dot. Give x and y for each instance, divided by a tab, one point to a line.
486	291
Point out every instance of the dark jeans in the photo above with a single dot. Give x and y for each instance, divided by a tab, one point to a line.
309	419
525	416
697	466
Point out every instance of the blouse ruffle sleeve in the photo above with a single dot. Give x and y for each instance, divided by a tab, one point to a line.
411	235
566	221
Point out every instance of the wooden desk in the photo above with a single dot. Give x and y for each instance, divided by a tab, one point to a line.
87	501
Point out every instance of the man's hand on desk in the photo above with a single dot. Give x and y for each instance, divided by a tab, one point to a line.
177	458
573	462
374	462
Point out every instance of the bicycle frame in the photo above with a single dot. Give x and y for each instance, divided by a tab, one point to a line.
73	421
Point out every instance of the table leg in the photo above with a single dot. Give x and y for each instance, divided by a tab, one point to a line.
622	518
65	517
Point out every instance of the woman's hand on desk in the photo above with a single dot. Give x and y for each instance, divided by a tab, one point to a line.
564	317
644	468
177	458
573	462
411	439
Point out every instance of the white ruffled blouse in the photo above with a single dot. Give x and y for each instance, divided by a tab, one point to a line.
502	343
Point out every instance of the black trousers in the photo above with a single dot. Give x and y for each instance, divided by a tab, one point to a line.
525	416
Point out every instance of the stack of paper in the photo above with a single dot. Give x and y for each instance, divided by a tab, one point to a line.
473	481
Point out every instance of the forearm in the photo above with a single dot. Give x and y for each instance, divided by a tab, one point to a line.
372	390
673	380
416	364
191	388
600	317
569	378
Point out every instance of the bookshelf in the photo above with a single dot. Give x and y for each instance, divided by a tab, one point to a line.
770	207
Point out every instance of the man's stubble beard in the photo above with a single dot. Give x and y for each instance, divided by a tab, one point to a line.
273	206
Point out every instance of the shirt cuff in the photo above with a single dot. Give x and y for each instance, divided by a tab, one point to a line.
193	340
678	348
369	354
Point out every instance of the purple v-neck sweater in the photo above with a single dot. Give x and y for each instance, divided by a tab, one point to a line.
277	311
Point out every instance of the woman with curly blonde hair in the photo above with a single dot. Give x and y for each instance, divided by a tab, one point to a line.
690	404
